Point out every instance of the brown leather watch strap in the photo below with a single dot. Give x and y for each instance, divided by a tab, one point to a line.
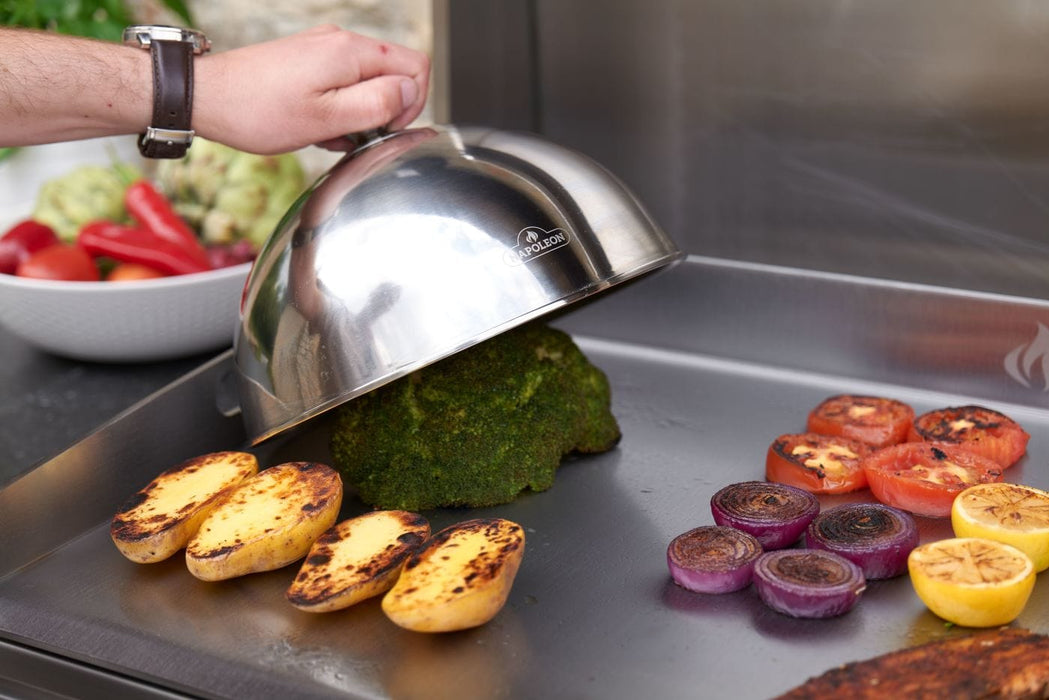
172	100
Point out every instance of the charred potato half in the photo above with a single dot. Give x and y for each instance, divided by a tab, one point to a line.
459	579
357	559
161	518
269	521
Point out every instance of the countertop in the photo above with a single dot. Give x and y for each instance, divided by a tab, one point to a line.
48	403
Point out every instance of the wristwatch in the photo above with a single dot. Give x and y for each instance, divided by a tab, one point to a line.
172	49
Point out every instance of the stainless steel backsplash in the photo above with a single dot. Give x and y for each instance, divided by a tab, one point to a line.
891	139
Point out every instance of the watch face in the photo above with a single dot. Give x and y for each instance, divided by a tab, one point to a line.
142	35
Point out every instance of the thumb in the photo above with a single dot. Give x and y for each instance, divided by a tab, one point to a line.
389	100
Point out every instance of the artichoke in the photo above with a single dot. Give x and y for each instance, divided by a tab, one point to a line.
229	195
86	193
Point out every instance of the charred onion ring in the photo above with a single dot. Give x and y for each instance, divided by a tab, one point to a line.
875	537
713	559
808	582
774	513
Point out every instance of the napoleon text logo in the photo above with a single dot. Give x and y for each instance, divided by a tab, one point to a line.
533	242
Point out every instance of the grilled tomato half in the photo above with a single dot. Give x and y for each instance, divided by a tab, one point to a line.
924	478
875	420
817	463
976	429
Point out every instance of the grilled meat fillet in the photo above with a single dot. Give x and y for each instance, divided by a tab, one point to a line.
1003	663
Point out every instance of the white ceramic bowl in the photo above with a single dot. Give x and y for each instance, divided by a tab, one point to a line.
134	321
140	321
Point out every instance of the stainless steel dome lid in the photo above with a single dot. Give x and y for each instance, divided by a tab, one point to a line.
420	244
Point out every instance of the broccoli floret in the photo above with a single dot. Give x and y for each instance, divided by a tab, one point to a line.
477	428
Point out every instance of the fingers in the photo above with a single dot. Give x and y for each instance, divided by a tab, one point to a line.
376	61
377	58
352	58
310	87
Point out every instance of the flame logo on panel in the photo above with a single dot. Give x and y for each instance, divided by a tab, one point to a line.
1027	360
533	241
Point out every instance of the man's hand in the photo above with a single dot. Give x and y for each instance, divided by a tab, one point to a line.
312	87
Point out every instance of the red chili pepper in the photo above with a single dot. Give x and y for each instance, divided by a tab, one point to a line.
138	245
154	212
22	240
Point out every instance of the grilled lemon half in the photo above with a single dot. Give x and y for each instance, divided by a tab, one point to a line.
972	581
1009	513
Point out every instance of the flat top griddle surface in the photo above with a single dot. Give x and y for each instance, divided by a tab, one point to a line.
593	612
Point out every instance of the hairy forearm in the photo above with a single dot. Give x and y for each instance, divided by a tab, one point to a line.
58	88
314	86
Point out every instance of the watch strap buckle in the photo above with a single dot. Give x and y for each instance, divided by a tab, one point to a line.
169	136
164	143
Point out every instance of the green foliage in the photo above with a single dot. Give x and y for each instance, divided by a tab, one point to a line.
477	428
98	19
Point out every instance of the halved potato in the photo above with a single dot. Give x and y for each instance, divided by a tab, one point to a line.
459	579
161	518
357	559
268	522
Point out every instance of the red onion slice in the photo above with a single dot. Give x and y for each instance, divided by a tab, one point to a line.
808	582
776	514
875	537
712	559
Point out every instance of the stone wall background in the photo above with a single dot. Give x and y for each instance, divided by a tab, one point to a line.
233	23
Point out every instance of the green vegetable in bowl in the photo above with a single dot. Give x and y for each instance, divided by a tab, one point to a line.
229	195
86	193
477	428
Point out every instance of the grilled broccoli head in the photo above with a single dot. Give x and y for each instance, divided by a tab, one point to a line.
477	428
